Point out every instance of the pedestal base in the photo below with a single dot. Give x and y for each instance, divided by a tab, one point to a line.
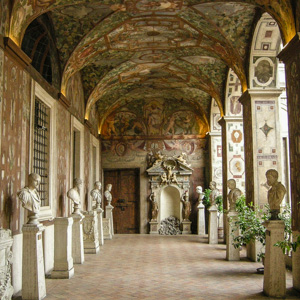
232	253
109	215
106	229
186	227
296	264
100	226
77	239
274	273
63	260
153	227
33	272
201	220
213	225
90	233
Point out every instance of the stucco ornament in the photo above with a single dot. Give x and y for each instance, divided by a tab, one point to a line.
30	198
74	195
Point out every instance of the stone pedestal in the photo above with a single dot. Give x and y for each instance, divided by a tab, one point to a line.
106	229
109	215
77	239
186	227
99	212
33	272
274	272
232	232
201	219
90	232
296	263
6	241
213	225
63	260
153	227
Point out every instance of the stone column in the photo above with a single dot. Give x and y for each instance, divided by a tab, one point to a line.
232	232
33	272
6	241
63	260
262	144
290	55
213	225
77	239
106	229
201	219
90	232
109	215
274	271
99	212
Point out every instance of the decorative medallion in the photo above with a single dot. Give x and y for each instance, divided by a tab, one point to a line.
266	129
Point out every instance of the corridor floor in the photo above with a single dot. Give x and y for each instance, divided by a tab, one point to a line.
162	267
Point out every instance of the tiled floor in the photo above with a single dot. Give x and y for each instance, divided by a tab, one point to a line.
162	267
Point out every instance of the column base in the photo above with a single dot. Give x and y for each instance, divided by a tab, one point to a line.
62	274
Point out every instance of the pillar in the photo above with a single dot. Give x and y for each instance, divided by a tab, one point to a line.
109	215
213	225
77	239
33	272
262	144
274	266
106	229
201	218
90	232
290	55
63	260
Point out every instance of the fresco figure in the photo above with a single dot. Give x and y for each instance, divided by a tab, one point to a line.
30	197
275	194
170	128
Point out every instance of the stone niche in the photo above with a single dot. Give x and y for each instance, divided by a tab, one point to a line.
169	179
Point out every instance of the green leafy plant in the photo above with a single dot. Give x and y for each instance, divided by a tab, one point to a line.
206	200
219	202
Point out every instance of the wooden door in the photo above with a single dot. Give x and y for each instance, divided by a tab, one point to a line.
125	199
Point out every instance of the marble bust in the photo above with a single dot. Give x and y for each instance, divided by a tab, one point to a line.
96	195
74	194
233	194
275	194
214	193
30	198
186	205
107	193
154	210
199	191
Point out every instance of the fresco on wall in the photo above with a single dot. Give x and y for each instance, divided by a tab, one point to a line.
4	17
155	118
234	92
63	142
14	152
75	94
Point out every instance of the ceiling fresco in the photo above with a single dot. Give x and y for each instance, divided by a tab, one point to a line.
136	51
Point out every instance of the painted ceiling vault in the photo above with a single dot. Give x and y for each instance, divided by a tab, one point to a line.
139	58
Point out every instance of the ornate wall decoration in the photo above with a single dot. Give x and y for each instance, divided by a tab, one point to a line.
264	69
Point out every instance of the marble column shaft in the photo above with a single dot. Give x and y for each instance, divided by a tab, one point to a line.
213	225
77	239
232	232
33	272
63	260
274	266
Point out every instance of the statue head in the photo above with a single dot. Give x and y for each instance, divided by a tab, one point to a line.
199	189
108	187
97	185
212	185
77	182
34	180
272	177
231	184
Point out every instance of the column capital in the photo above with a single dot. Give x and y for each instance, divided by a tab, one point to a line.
291	49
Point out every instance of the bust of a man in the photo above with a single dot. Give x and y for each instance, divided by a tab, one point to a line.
233	194
30	197
96	195
214	193
107	193
275	194
74	194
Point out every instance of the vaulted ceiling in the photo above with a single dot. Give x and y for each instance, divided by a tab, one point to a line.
168	49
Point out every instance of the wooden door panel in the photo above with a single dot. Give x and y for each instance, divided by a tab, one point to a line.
125	199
